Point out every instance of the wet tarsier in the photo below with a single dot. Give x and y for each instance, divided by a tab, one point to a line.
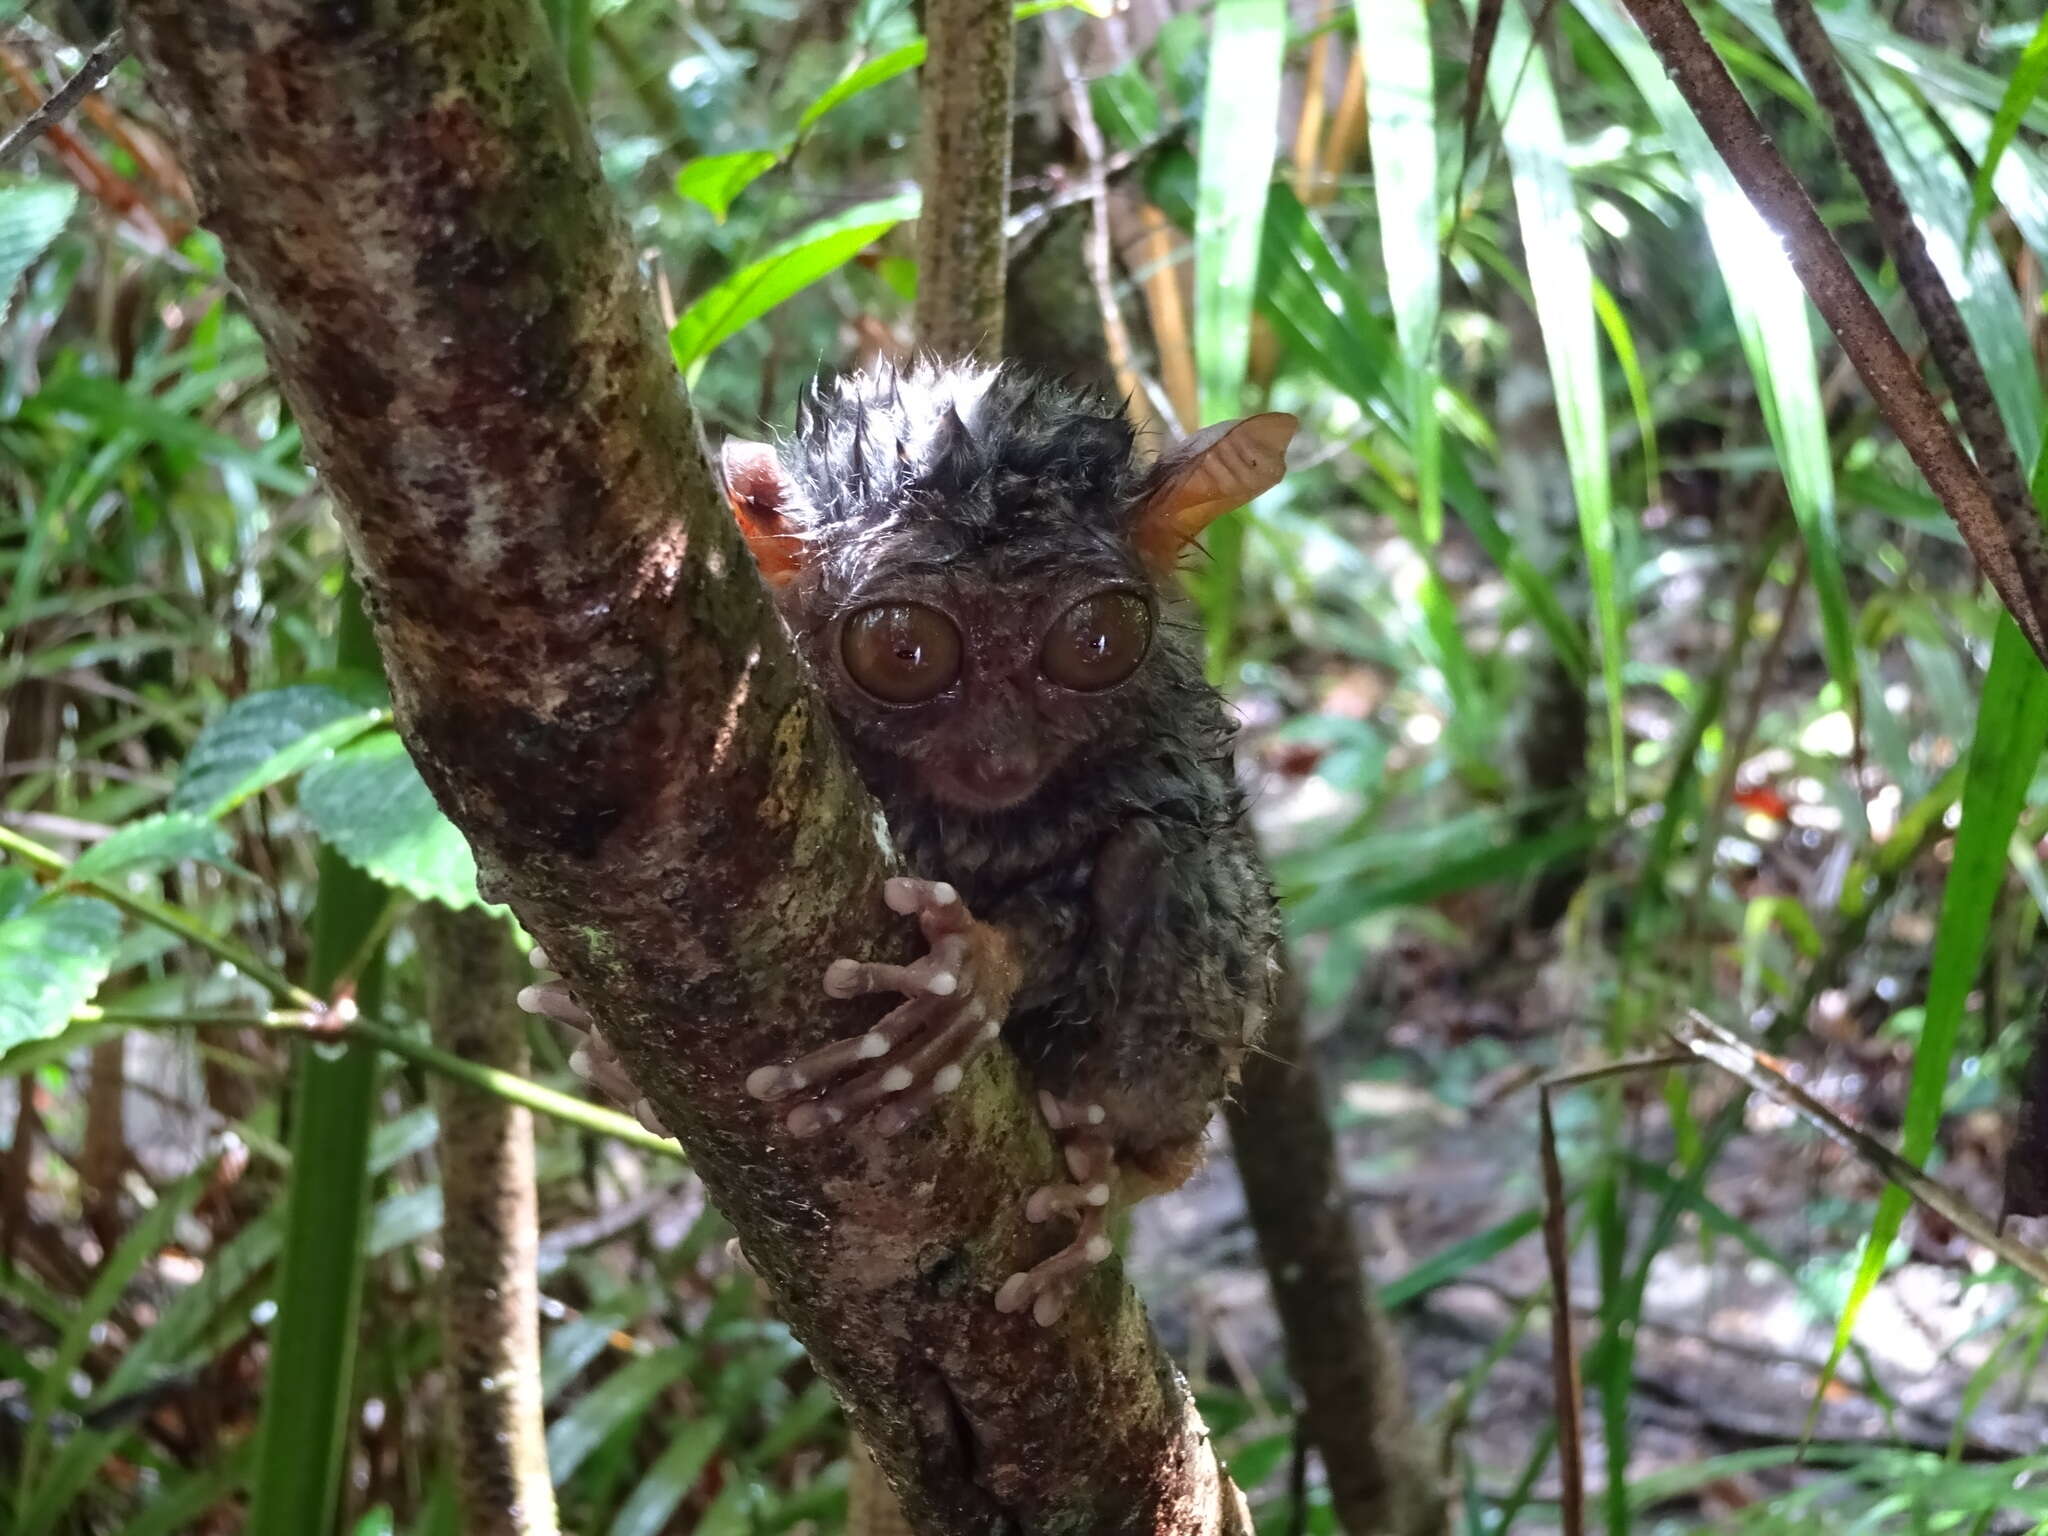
978	566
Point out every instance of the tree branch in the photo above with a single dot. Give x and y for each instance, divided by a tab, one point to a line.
589	676
2010	553
1948	339
964	167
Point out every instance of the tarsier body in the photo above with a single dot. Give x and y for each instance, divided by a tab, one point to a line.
978	569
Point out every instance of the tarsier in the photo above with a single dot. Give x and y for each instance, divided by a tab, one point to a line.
979	567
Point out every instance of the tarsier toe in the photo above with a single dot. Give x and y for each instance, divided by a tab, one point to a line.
955	999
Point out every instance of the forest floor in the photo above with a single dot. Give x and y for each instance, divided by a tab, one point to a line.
1440	1145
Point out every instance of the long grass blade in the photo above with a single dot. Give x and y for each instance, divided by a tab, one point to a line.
1401	126
2029	79
2012	729
1239	112
1561	277
1772	321
319	1293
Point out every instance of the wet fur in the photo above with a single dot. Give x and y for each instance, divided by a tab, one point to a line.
1143	913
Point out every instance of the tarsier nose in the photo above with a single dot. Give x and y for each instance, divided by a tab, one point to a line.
1004	767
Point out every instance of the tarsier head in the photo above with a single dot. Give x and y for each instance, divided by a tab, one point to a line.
979	566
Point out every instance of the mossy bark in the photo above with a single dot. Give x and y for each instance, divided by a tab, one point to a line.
589	676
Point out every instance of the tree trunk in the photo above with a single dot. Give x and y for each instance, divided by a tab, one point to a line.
589	675
1340	1350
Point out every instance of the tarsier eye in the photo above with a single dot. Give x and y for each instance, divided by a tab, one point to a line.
902	653
1098	642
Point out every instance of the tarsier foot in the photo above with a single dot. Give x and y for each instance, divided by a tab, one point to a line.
1091	1160
592	1060
955	1001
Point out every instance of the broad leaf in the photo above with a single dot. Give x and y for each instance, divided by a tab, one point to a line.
715	180
155	843
370	803
264	738
32	214
53	956
791	267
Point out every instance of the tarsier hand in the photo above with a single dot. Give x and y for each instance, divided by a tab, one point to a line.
955	1000
592	1060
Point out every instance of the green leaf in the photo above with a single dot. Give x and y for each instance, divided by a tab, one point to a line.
1936	190
1445	1266
141	1244
899	60
715	180
791	267
2012	729
263	738
1772	321
1235	170
370	803
2029	77
1401	95
674	1474
112	405
871	74
620	1399
152	845
32	214
1561	281
53	956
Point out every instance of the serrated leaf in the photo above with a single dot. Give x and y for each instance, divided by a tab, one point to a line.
264	738
32	214
155	843
17	889
369	802
53	956
715	180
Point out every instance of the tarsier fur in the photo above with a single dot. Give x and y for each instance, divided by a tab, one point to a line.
978	566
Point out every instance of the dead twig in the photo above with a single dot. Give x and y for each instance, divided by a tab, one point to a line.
1564	1355
1095	246
1739	1059
92	74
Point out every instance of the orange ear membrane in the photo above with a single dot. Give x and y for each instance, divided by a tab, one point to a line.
755	487
1216	471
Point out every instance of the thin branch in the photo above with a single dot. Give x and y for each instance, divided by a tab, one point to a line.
2011	556
99	64
1948	339
1095	246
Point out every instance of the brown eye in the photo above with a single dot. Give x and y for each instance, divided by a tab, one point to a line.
902	653
1097	642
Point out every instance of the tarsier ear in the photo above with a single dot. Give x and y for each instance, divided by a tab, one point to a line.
756	486
1216	471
